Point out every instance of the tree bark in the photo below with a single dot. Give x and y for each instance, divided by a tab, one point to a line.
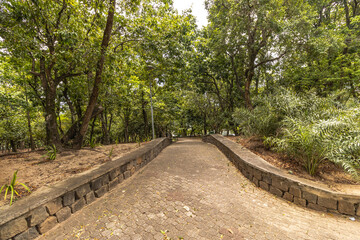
32	145
13	145
205	132
106	140
92	129
98	77
247	94
49	87
74	129
143	106
69	103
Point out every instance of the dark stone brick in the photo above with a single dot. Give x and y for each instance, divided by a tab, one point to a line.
130	165
54	206
327	202
82	190
63	214
264	185
114	173
113	184
346	207
105	179
121	178
90	197
300	201
76	206
99	182
29	234
316	207
358	211
310	197
280	184
68	198
127	174
257	174
266	178
101	191
123	168
295	191
276	191
96	184
255	181
48	224
13	228
38	215
289	197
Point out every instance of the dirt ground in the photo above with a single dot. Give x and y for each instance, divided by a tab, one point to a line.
328	173
35	171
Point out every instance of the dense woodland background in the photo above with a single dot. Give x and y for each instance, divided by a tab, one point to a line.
76	73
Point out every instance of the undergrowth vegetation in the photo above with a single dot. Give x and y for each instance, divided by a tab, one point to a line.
308	128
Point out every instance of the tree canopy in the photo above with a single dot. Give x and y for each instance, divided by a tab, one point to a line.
77	72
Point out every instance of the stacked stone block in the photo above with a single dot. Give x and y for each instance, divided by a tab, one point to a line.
58	203
283	185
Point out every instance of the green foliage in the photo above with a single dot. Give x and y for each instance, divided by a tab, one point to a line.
111	153
92	143
306	127
51	152
301	142
261	121
11	187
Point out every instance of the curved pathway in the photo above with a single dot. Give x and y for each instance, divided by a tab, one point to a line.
191	191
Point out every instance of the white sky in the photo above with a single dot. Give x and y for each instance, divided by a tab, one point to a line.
198	10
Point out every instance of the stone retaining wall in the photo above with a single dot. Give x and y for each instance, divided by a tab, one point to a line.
48	206
289	187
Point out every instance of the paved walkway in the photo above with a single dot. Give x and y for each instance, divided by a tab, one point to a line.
191	191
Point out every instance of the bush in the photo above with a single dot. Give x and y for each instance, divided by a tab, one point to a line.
259	122
301	142
306	127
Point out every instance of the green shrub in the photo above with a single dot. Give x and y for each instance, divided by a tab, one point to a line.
11	187
259	122
306	127
301	142
92	143
51	152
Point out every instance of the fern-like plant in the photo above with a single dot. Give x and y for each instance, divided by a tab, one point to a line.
51	152
111	153
92	143
11	187
300	141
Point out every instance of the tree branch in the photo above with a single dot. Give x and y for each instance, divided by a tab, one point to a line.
35	73
270	60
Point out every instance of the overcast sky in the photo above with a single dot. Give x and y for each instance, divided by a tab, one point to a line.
198	9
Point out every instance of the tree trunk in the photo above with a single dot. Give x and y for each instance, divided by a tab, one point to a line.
205	131
13	145
32	145
92	129
143	106
69	103
74	129
110	124
126	128
100	65
106	140
49	87
247	95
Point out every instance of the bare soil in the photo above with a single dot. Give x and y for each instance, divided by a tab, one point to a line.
35	170
328	173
